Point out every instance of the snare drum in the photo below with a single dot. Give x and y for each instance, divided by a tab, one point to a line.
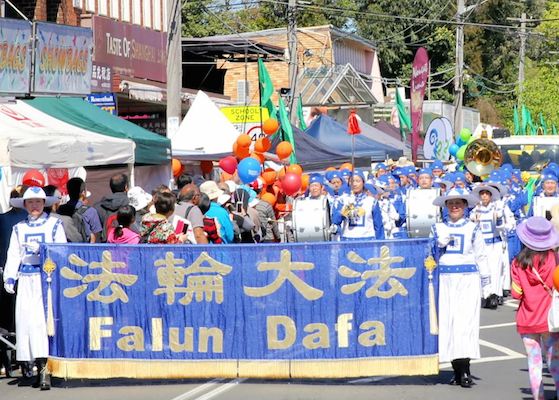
543	206
311	220
421	214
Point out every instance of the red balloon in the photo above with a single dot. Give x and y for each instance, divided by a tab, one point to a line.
206	166
33	177
291	183
228	164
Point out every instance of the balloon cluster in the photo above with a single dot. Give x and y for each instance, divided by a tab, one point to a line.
248	159
458	149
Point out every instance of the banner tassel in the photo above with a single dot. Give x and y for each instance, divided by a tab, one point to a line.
430	266
48	267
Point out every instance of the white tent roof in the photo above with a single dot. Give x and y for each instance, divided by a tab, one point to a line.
205	130
33	139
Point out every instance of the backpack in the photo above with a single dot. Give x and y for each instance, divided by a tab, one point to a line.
74	224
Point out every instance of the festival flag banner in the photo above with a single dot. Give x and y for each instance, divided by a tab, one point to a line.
63	63
309	310
15	56
403	117
266	89
420	74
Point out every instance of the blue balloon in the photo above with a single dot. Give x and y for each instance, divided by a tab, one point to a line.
248	170
453	149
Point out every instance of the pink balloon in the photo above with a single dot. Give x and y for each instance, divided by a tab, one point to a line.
228	164
291	183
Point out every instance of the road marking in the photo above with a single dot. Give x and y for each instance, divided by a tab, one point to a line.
197	389
498	325
511	303
500	348
223	388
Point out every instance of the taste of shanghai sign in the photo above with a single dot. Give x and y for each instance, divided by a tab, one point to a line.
62	59
321	310
15	56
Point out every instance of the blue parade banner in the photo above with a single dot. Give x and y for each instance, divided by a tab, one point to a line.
316	310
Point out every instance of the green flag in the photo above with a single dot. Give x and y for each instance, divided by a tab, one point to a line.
516	122
266	89
529	189
286	129
300	117
543	124
531	128
554	129
403	116
524	113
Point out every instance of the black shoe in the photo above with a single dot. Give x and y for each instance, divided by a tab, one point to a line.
43	379
466	380
26	378
506	293
500	300
492	302
455	381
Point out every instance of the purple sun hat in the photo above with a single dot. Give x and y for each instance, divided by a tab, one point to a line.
537	233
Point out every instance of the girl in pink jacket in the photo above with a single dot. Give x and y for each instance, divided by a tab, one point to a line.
122	234
532	283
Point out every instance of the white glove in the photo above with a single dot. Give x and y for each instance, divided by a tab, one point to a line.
33	247
9	286
333	229
443	239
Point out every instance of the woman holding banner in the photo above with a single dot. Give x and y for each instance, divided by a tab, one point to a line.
459	249
23	266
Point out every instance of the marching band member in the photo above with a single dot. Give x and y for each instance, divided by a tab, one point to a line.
336	189
548	186
495	220
23	265
389	184
424	179
358	214
459	249
315	187
438	168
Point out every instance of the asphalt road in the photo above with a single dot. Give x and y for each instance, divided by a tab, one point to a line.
501	373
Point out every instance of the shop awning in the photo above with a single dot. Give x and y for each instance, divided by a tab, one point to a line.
30	138
150	147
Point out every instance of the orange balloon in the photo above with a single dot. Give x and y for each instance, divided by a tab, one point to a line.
268	198
331	169
295	168
258	156
242	152
281	173
243	140
346	166
283	150
269	176
304	182
176	166
556	278
270	126
206	166
262	145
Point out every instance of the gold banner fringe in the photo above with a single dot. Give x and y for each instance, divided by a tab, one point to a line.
269	369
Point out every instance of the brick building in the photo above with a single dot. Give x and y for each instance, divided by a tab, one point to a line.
319	48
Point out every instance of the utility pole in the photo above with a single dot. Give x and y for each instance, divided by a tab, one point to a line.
522	54
174	66
458	78
292	46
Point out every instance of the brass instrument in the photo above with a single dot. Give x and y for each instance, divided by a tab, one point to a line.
482	157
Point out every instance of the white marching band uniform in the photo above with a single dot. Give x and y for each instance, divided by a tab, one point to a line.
495	221
462	261
23	265
359	217
389	217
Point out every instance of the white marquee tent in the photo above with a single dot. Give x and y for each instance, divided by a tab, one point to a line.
205	132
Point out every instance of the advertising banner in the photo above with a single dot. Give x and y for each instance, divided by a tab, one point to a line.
131	50
15	56
420	74
62	59
327	310
105	101
438	139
